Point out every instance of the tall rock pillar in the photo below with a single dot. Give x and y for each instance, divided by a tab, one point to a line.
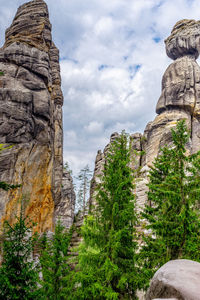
31	117
180	99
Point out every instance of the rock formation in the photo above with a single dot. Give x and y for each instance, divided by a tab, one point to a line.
65	209
180	99
31	120
177	279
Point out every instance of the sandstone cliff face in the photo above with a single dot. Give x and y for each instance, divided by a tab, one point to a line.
180	99
31	118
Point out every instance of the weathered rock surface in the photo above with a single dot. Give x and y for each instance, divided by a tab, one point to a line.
31	26
184	39
177	279
65	210
31	119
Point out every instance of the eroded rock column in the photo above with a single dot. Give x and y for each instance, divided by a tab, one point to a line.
31	118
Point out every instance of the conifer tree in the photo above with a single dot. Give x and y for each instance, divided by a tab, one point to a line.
172	218
107	267
55	265
84	177
18	272
67	168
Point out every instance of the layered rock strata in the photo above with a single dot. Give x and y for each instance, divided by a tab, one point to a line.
31	118
180	99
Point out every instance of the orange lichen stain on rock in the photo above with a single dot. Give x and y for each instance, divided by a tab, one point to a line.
35	195
12	208
41	208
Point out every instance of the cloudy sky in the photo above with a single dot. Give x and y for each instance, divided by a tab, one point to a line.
112	58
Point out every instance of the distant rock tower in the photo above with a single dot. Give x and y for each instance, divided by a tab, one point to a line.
31	120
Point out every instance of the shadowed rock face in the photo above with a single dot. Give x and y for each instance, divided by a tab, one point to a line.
180	99
31	117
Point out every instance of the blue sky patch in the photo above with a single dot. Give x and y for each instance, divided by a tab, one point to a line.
157	39
133	70
102	67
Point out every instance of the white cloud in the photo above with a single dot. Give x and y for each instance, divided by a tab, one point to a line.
94	127
112	62
104	28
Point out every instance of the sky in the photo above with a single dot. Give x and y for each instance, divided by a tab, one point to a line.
112	57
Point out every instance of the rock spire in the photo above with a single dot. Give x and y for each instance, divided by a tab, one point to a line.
31	119
180	99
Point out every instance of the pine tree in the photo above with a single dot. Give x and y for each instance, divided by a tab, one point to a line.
67	168
84	177
172	217
107	267
54	261
18	272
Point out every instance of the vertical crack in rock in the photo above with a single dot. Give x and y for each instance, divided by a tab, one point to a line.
31	119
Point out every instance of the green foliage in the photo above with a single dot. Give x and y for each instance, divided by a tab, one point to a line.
6	186
84	178
172	217
4	147
107	268
1	73
18	272
55	266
